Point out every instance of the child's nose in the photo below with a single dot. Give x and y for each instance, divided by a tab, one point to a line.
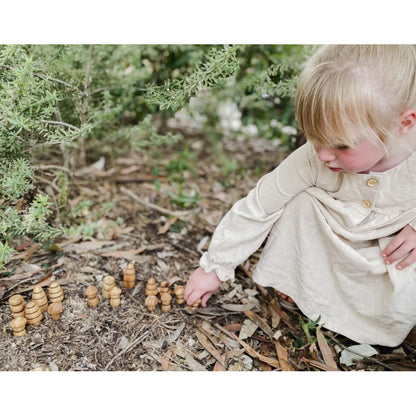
325	154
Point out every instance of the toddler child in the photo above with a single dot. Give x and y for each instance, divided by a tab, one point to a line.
339	213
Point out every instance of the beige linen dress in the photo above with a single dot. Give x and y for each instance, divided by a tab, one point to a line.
326	231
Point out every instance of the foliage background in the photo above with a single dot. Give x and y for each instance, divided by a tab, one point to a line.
65	106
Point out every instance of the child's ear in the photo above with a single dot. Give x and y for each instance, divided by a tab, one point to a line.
407	121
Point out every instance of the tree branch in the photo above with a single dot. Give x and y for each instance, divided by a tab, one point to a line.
58	81
61	123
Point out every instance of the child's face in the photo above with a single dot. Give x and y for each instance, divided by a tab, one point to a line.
366	156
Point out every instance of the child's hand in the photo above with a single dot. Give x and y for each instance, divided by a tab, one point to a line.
404	243
201	285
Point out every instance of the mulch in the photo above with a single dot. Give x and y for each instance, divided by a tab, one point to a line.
243	328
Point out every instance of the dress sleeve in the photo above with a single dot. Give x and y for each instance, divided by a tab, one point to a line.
244	228
413	224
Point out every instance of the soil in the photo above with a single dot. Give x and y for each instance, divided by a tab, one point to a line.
243	328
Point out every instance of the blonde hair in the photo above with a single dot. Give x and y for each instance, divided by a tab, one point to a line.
348	88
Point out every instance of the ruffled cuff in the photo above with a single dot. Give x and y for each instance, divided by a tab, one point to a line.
223	273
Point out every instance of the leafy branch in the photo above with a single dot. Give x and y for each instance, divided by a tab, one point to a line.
214	72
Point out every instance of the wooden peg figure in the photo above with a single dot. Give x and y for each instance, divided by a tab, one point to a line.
115	297
39	297
33	314
18	326
164	287
92	296
108	283
151	287
55	310
196	304
17	306
55	292
151	302
166	299
129	278
179	292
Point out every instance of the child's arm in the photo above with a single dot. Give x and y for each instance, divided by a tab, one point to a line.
243	229
404	243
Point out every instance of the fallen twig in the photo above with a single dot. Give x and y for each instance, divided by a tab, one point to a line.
363	356
180	214
251	351
124	350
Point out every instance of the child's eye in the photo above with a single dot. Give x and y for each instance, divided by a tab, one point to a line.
342	147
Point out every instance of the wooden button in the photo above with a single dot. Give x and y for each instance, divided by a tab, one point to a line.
366	203
372	182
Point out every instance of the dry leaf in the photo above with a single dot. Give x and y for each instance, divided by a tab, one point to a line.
27	254
31	268
206	343
87	246
318	364
248	329
166	227
348	357
123	254
219	367
250	350
261	323
202	243
165	360
237	308
281	352
131	169
325	349
265	367
233	327
275	316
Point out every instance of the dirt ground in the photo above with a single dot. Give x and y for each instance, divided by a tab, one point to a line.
243	328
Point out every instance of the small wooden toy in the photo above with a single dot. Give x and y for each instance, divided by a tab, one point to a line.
151	287
166	299
33	314
196	304
39	297
17	306
55	310
108	284
92	294
179	292
129	278
19	326
115	296
164	287
55	292
151	302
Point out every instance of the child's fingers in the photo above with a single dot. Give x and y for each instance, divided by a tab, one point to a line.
393	245
397	254
205	298
410	259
